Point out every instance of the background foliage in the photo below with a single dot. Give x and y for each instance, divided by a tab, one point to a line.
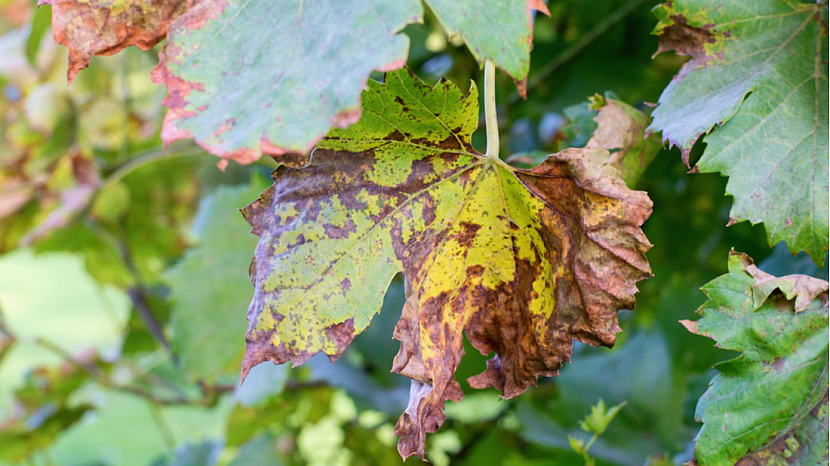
123	284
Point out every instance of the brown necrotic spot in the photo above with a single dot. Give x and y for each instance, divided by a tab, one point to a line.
345	284
341	334
467	234
687	40
340	232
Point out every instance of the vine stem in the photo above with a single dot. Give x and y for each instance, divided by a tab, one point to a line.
491	118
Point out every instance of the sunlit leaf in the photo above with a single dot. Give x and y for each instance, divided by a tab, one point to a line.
522	261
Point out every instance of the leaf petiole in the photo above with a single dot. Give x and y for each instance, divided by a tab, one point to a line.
491	119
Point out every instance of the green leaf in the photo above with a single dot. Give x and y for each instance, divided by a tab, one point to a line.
522	261
43	296
600	417
771	402
209	288
297	69
192	454
126	429
759	70
501	31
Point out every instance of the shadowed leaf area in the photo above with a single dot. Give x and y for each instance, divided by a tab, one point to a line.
768	406
522	261
759	70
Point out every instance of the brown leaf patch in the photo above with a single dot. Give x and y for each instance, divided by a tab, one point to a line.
104	27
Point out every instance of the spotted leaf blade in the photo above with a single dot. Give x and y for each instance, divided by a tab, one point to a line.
759	70
522	261
768	406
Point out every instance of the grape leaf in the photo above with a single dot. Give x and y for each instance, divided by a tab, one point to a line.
621	127
246	77
501	31
206	291
522	261
771	402
758	69
106	27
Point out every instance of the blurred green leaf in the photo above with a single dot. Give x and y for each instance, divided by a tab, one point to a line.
42	410
600	417
189	454
209	286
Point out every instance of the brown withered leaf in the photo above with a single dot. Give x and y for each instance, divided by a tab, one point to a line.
105	27
620	128
522	261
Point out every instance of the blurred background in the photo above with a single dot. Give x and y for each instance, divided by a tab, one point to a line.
124	287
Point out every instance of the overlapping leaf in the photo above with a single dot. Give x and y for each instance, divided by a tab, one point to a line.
620	128
610	124
770	403
522	261
501	31
758	69
105	27
246	77
255	77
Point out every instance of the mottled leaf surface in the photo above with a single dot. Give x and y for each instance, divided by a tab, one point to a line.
105	27
208	286
758	69
522	261
620	129
498	30
770	404
246	77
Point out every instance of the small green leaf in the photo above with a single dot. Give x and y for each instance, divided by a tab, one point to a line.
772	400
600	417
577	445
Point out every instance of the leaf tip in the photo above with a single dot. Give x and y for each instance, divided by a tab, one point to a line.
690	326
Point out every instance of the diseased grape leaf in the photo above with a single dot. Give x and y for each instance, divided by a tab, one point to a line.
522	261
610	124
759	70
105	27
501	31
620	128
252	77
205	289
770	403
